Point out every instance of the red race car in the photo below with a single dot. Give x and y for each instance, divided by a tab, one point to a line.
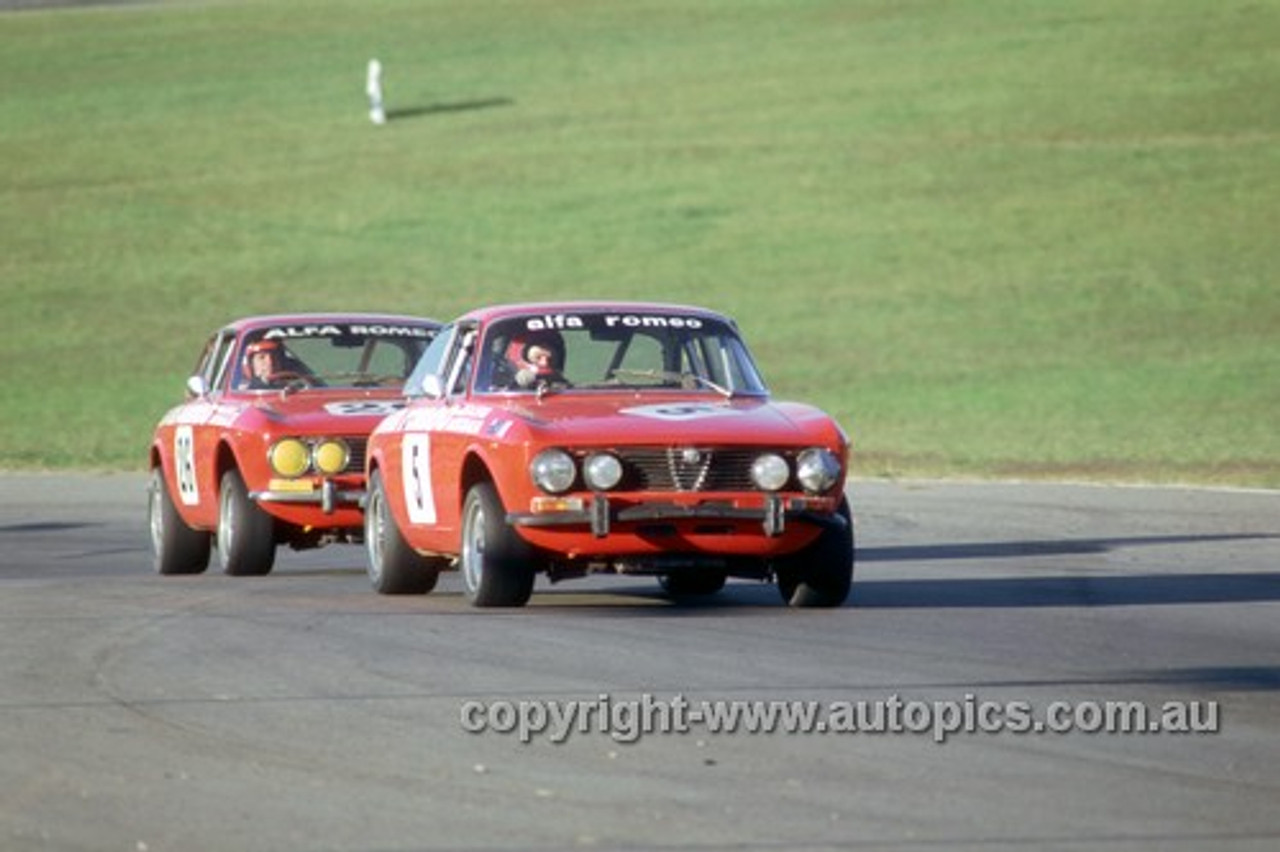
269	446
571	438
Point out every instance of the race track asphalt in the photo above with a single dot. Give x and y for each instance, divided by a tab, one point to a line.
301	711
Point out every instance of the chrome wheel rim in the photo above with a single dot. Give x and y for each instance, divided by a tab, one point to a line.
226	528
157	519
473	548
375	524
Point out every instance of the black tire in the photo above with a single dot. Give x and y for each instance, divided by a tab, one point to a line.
394	567
246	534
497	565
821	575
686	584
176	547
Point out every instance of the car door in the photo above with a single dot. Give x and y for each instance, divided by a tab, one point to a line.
423	462
193	439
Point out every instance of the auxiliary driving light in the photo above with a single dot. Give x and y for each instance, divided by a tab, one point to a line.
602	471
330	456
289	457
770	472
553	471
818	469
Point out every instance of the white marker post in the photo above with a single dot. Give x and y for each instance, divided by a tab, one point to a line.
373	86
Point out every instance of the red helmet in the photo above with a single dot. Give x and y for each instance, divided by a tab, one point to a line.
261	346
518	352
258	346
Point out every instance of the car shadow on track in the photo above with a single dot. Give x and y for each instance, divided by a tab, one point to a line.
1067	591
1062	589
1015	549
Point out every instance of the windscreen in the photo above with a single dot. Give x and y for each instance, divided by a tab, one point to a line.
610	350
343	354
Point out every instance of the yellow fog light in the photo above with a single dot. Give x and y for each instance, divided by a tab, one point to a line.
331	456
289	457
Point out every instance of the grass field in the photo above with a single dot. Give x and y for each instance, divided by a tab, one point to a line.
993	237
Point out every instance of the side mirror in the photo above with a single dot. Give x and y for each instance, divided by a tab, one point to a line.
432	386
196	386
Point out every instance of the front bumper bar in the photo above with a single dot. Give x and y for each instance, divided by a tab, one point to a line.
600	515
328	497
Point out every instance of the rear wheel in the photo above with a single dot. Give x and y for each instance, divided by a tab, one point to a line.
497	565
176	547
394	567
246	534
821	575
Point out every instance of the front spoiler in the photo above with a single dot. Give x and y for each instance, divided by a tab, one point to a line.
329	497
600	515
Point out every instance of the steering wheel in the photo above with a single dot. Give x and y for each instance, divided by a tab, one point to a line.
287	378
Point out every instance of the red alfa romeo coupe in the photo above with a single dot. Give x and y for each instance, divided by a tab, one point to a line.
572	438
268	447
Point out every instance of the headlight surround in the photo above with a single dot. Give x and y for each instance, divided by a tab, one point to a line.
330	455
818	469
289	457
602	471
553	471
770	472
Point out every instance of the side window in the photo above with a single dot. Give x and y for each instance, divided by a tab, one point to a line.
460	363
214	370
206	358
432	361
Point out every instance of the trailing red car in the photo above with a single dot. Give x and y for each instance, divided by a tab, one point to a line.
269	446
571	438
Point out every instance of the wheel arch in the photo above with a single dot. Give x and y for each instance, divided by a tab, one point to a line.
474	470
224	459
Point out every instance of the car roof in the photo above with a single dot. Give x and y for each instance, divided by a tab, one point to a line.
321	318
503	311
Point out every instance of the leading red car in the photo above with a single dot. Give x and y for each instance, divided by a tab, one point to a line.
268	447
570	438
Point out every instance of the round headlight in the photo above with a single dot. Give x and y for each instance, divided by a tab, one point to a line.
602	471
817	469
770	472
331	456
289	457
553	471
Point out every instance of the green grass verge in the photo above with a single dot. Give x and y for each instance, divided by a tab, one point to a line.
993	237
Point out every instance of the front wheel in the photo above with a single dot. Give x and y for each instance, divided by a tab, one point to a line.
821	575
497	565
246	534
394	567
177	548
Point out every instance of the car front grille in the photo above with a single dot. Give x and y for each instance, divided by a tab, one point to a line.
687	468
355	464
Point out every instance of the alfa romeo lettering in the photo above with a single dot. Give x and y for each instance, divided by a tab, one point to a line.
302	331
633	321
339	330
553	321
